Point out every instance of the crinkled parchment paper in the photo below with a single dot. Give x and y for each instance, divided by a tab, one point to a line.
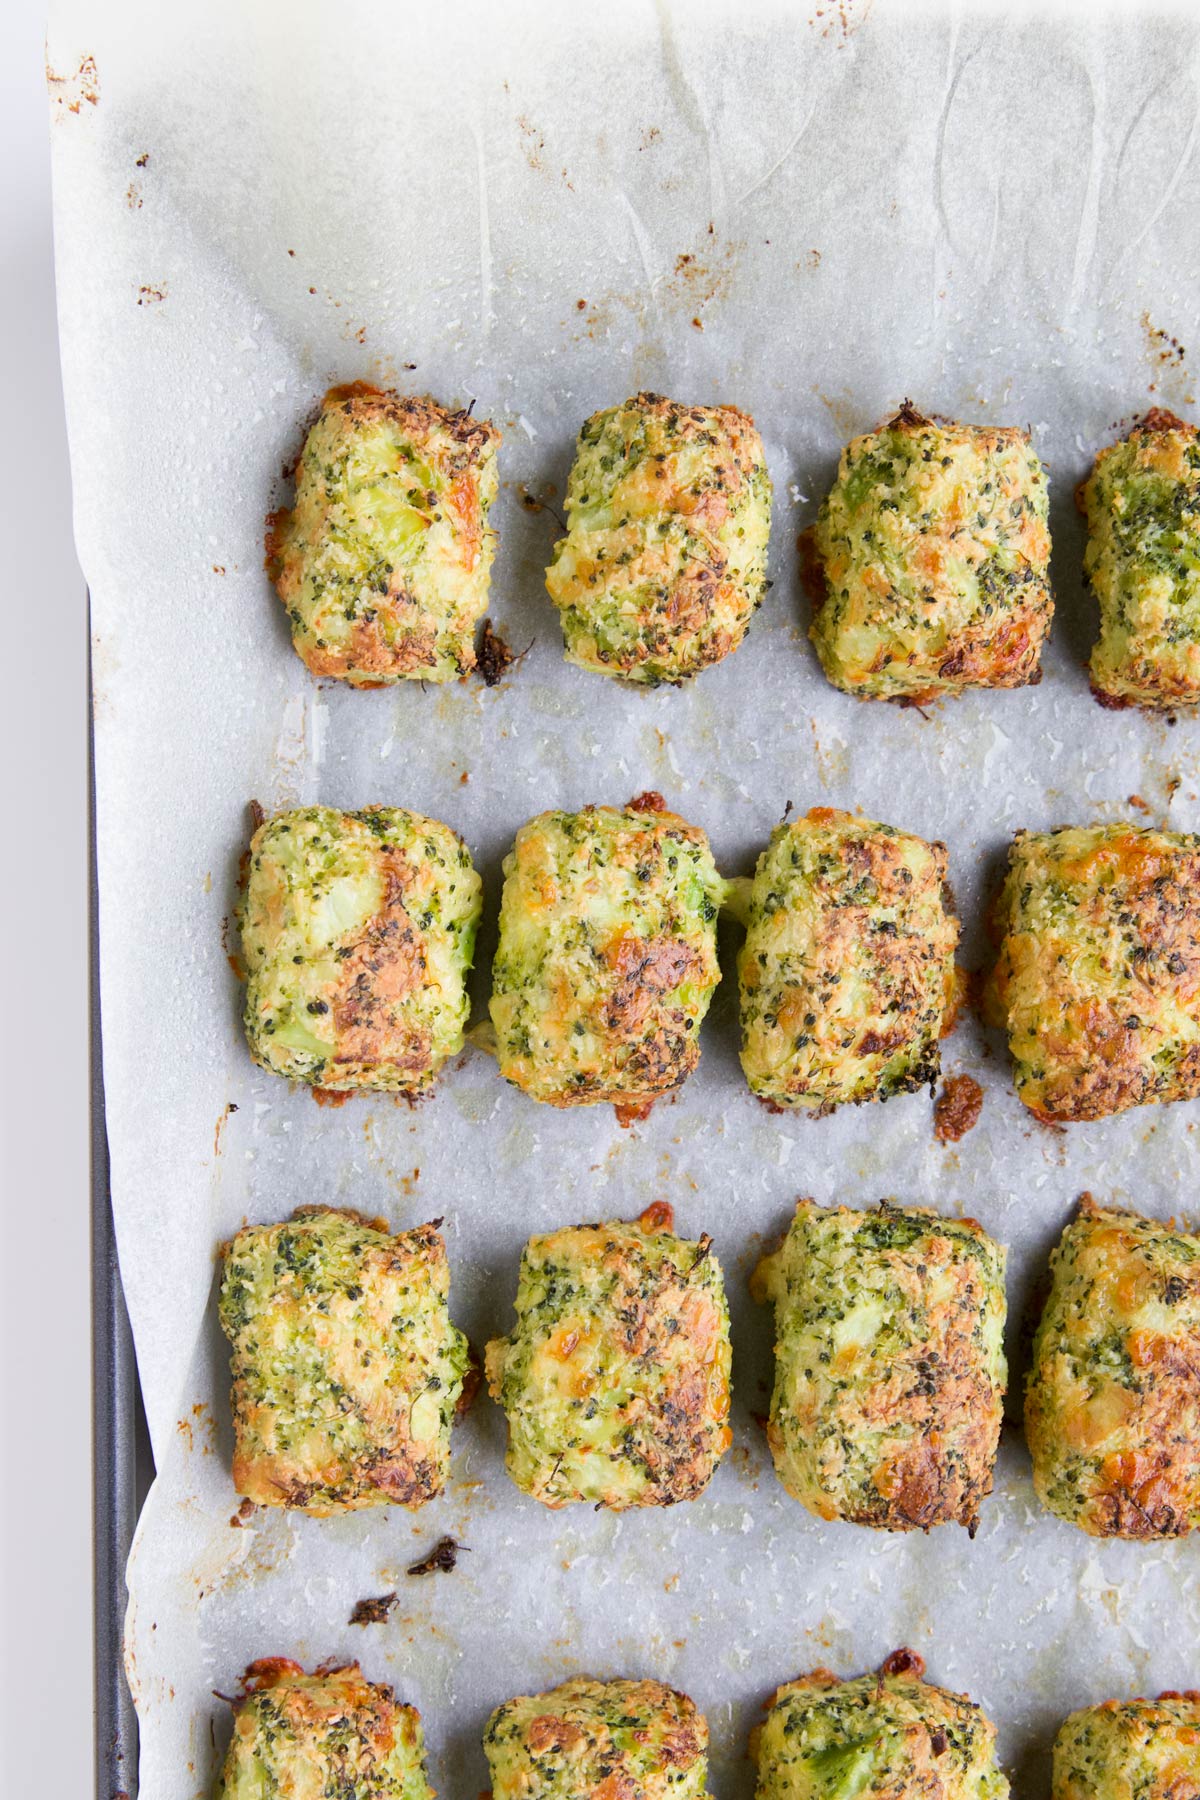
812	211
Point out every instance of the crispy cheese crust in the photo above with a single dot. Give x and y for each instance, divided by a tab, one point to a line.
665	557
615	1380
607	957
889	1364
1130	1750
358	931
307	1737
1142	502
1097	980
347	1370
384	561
1112	1402
890	1736
846	976
930	562
598	1740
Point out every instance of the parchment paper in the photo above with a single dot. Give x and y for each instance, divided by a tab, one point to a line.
811	212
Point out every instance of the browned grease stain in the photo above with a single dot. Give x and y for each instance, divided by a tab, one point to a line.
1166	357
532	142
199	1415
70	93
533	148
697	281
746	1466
841	409
700	279
231	955
840	19
230	1107
151	296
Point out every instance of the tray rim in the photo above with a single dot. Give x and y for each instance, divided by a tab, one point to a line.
114	1394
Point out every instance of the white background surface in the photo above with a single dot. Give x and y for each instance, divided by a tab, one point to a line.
45	1352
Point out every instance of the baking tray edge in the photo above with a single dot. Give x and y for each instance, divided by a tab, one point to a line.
114	1397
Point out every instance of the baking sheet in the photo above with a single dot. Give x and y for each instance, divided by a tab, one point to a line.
811	212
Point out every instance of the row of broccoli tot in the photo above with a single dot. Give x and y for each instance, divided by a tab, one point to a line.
348	1372
928	566
890	1735
358	931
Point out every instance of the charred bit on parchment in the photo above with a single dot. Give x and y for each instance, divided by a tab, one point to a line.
957	1108
373	1611
533	504
495	657
442	1557
472	1381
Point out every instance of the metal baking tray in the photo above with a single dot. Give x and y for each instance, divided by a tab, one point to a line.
122	1466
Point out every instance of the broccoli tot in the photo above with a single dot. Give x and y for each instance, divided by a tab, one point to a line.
664	561
358	931
383	563
332	1732
598	1740
1112	1401
1142	502
615	1380
889	1364
607	957
890	1736
846	976
929	562
1097	977
1130	1750
347	1369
